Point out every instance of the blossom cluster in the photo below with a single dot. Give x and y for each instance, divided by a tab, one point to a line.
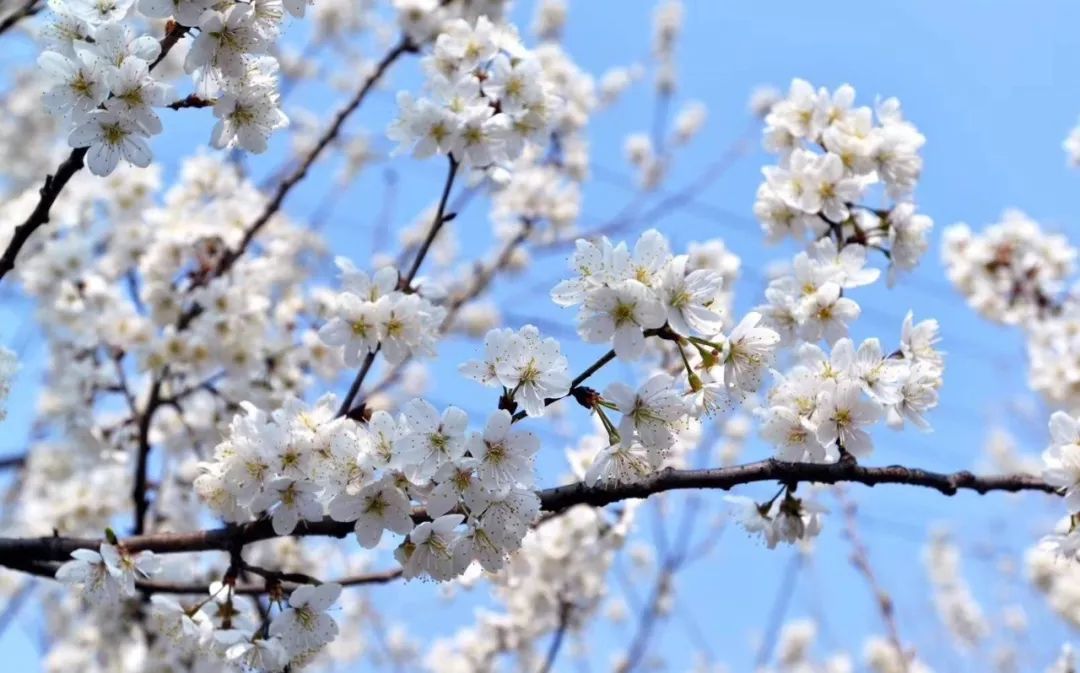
488	99
102	87
622	294
830	155
796	643
788	519
568	555
1013	271
1061	469
214	357
529	368
300	464
115	297
808	304
825	404
1016	273
626	297
214	629
372	313
100	82
1056	577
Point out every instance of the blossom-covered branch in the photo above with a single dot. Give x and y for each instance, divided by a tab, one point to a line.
558	499
55	183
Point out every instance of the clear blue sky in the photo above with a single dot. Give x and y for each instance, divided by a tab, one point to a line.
992	85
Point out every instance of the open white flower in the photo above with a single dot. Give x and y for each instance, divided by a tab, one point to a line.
503	457
747	353
620	314
1062	459
430	548
304	625
111	137
377	507
428	441
842	413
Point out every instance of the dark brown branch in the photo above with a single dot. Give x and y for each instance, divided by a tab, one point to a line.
258	589
562	497
55	183
138	491
18	552
436	224
288	581
190	101
406	283
12	462
26	10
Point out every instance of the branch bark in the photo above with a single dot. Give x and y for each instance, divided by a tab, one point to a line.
20	552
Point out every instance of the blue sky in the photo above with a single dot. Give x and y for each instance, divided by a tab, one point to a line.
991	85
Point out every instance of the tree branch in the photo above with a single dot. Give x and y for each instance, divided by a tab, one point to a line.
19	552
138	490
406	283
28	9
55	183
860	558
403	46
557	640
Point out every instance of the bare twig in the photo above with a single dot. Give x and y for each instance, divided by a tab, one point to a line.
138	490
557	640
860	558
780	606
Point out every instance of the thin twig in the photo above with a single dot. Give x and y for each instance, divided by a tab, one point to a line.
780	605
557	640
406	283
860	558
403	46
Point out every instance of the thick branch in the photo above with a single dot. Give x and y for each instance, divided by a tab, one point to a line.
557	499
18	552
